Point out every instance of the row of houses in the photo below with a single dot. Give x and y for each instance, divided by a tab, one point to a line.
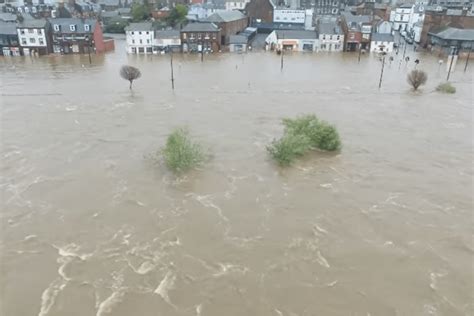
61	36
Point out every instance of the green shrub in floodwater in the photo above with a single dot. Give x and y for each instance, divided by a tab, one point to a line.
446	88
181	153
286	149
323	135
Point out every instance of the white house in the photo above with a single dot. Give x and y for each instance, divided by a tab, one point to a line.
301	41
381	43
236	4
416	31
383	27
139	38
289	16
34	36
417	15
402	17
166	40
331	37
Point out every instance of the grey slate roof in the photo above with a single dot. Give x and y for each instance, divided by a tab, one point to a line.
142	26
406	6
237	39
380	37
356	18
167	34
330	28
292	34
36	23
7	28
64	24
200	27
451	33
109	14
124	10
226	16
7	17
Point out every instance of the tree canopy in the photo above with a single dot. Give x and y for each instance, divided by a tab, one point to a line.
177	15
140	12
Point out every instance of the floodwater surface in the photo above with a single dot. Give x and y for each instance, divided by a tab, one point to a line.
92	224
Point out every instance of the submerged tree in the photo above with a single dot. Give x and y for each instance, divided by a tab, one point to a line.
130	73
416	78
181	153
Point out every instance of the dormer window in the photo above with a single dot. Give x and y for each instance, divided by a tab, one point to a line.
56	27
72	27
87	27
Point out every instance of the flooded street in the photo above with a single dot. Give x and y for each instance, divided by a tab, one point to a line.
91	225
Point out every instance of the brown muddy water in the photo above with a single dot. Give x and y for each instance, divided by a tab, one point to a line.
89	226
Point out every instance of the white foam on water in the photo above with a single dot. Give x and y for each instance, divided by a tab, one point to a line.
105	307
321	260
165	285
331	284
48	298
278	312
145	267
29	237
434	279
206	200
226	268
198	310
319	229
326	185
70	250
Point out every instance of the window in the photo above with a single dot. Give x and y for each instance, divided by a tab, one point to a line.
87	27
133	41
147	33
132	33
72	27
139	33
199	35
23	41
148	41
56	27
40	32
41	41
338	37
22	31
191	36
141	42
184	35
31	31
32	40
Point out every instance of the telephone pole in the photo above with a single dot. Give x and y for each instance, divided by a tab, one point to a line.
381	71
172	72
468	56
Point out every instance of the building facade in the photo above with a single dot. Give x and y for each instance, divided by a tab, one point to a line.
402	17
289	40
260	11
140	38
35	37
167	40
236	4
229	23
357	30
197	37
9	44
289	16
381	43
444	40
331	37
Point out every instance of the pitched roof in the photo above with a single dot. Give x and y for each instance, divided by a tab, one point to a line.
36	23
200	27
350	18
7	17
329	28
226	16
293	34
7	28
451	33
65	23
237	39
381	37
406	6
167	34
142	26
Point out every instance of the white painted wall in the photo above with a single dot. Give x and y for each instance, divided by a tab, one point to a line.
164	42
331	43
236	5
379	46
32	37
289	16
139	39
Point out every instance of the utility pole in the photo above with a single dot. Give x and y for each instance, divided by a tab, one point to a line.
282	50
381	71
468	56
453	49
172	73
202	51
404	49
360	51
88	39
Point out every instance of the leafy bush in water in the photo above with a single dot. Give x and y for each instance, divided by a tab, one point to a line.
322	135
180	152
446	88
289	147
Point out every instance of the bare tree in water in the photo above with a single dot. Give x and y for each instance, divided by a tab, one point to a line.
130	73
416	78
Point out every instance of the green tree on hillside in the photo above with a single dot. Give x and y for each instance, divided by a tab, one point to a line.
177	15
140	12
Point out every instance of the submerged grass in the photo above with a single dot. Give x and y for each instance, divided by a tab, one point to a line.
446	88
181	153
301	135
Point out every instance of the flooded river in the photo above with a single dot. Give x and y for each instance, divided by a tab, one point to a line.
90	225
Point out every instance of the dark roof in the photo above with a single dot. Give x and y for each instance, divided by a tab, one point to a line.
226	16
166	34
237	39
200	27
349	17
109	14
380	37
124	10
64	24
109	2
292	34
142	26
451	33
406	6
330	28
7	17
36	23
7	28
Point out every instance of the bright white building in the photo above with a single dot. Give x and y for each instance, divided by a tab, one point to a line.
289	16
417	15
381	43
291	40
331	37
140	38
33	36
236	4
402	17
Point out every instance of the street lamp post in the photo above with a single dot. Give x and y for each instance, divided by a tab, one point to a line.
468	56
88	40
171	65
453	51
381	71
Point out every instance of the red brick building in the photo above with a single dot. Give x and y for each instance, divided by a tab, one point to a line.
260	10
230	23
